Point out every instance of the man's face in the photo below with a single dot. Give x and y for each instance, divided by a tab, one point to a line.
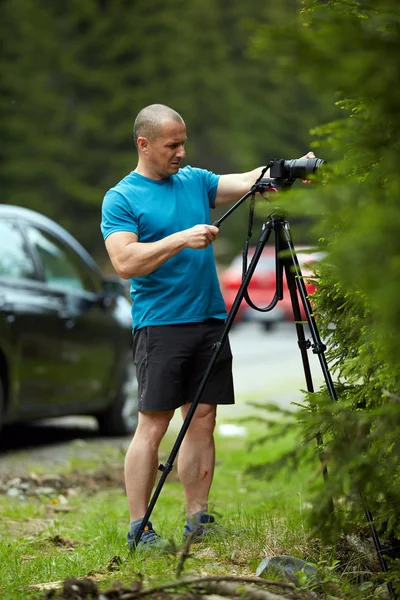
164	154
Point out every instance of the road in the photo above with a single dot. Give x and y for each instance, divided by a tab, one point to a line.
267	368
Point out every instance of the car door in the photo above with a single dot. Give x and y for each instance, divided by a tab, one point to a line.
31	333
88	329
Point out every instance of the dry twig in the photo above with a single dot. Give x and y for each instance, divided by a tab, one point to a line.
200	581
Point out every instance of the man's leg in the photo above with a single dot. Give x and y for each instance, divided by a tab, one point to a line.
141	461
196	458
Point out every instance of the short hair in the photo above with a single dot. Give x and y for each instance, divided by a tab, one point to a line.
149	120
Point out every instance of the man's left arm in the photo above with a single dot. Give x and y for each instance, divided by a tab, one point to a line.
232	187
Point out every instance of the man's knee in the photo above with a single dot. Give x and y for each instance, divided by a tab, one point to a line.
204	418
153	425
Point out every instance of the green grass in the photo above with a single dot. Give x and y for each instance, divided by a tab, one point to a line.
264	517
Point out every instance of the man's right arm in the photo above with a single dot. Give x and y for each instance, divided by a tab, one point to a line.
131	258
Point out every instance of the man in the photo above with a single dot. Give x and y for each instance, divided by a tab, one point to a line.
156	225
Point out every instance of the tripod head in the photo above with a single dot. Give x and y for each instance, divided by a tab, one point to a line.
282	175
270	184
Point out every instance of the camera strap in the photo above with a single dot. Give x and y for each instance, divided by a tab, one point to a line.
251	218
249	234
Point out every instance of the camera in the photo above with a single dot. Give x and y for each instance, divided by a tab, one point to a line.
298	168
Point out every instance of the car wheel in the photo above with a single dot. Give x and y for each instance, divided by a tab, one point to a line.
121	416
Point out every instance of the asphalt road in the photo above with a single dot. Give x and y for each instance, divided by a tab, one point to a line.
267	368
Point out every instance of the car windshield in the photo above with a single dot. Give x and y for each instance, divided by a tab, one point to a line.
15	261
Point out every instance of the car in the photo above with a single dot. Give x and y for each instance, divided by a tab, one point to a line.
262	286
65	329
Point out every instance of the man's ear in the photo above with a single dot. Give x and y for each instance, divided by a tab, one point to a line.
142	143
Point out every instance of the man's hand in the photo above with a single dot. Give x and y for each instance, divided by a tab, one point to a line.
308	155
200	236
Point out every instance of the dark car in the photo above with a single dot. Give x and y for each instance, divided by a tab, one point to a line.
65	329
263	284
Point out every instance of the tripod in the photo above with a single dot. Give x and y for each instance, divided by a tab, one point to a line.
287	262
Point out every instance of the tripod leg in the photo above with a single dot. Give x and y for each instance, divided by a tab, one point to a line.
294	275
304	345
167	467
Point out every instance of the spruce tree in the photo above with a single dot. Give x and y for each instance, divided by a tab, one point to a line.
352	52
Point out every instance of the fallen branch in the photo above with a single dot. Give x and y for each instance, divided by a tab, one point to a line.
216	578
215	585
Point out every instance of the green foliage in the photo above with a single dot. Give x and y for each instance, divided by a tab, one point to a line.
352	53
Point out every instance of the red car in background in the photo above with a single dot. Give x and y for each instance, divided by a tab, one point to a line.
262	286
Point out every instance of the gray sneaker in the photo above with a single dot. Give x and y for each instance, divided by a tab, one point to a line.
200	527
149	538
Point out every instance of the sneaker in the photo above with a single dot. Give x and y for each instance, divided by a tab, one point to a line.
201	526
148	539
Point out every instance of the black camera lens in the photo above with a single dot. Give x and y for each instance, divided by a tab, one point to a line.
297	168
300	168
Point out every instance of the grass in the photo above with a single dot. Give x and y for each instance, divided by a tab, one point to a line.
39	544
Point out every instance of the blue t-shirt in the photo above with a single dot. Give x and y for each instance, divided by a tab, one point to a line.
185	288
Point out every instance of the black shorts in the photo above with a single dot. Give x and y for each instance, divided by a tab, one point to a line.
171	361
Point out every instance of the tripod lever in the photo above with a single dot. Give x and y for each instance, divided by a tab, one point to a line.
167	468
318	348
304	344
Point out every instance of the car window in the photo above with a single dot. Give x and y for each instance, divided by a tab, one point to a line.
62	267
15	260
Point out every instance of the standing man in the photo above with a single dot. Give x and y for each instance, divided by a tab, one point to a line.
156	226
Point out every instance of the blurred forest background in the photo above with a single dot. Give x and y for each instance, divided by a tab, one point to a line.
254	80
76	73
